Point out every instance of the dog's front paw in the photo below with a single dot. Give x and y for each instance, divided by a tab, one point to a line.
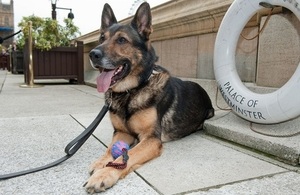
99	164
102	179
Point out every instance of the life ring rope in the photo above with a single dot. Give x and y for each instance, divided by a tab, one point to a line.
262	29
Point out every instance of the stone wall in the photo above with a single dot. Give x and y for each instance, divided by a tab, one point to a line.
192	56
279	50
184	37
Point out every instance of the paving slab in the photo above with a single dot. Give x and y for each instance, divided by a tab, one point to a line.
195	163
29	142
103	132
43	100
279	184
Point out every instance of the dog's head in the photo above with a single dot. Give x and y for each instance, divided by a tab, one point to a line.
125	56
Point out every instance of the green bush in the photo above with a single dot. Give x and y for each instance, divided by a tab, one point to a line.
47	33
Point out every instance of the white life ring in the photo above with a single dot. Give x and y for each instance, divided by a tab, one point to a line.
278	106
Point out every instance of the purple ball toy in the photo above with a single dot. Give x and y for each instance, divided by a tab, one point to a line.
117	148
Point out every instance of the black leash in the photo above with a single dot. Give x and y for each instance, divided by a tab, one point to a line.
70	149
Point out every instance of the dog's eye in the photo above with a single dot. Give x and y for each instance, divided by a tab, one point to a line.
122	40
102	38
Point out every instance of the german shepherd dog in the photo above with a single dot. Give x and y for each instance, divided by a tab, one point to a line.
147	105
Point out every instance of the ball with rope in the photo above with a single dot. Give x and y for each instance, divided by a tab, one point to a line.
118	148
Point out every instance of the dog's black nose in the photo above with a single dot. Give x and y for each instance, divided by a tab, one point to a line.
95	55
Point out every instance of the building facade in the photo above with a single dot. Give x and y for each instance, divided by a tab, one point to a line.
6	22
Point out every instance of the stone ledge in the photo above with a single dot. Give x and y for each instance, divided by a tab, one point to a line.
236	130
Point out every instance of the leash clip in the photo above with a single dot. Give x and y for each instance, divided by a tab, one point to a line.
108	100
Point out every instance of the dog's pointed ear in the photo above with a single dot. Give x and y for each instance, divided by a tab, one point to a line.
108	17
142	21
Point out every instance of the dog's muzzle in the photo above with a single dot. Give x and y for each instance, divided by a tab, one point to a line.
95	58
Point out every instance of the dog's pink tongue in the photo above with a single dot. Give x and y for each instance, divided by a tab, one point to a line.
104	80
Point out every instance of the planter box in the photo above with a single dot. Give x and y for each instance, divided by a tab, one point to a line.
57	63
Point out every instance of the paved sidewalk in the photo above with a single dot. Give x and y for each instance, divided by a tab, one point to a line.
37	123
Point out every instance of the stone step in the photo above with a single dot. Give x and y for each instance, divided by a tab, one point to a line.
280	141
